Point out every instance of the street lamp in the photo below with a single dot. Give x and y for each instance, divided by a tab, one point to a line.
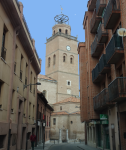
31	84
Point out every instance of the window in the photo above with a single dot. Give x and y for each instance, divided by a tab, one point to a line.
26	73
15	67
3	51
49	59
68	82
71	122
66	31
68	91
71	60
59	30
21	65
34	86
54	32
14	139
54	121
60	107
64	58
54	59
31	82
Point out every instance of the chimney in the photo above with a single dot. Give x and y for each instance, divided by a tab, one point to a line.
21	10
33	43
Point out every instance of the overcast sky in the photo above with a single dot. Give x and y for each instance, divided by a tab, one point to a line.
39	15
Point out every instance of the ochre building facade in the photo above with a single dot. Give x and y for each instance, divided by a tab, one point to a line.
19	65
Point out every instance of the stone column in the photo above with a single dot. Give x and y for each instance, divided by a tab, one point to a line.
60	135
67	136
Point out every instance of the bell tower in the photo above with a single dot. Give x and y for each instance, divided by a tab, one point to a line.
62	58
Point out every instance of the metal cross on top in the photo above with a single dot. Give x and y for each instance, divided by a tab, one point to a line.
61	9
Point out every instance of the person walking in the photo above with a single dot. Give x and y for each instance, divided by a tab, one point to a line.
32	139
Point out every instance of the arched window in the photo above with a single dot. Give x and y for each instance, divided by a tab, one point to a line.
66	31
54	59
71	59
64	58
49	59
54	32
59	30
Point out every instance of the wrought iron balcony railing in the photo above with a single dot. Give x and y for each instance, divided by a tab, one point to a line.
96	48
117	89
101	100
114	50
100	5
63	35
95	72
112	14
94	22
3	52
103	66
102	34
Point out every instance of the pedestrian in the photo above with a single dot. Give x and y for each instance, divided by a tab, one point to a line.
32	139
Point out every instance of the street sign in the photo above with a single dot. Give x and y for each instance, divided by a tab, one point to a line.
103	117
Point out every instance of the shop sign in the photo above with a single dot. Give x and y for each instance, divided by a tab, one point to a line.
103	117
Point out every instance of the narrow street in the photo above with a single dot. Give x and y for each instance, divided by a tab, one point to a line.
66	146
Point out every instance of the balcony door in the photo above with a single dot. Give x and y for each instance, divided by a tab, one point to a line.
113	137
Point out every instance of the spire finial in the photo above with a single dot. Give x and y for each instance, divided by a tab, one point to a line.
61	9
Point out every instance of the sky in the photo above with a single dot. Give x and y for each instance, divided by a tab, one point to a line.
39	15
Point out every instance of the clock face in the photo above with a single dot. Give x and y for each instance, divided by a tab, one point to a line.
68	48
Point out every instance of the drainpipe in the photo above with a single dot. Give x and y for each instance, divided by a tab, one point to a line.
118	118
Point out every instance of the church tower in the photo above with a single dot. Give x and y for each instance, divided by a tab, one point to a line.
62	59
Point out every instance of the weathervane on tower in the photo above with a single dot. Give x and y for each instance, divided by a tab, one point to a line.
61	9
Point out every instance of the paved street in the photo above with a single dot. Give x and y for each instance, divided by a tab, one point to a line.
66	146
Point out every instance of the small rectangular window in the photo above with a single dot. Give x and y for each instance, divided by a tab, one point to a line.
54	121
68	82
60	107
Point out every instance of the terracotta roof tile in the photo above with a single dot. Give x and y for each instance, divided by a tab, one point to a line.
40	76
78	112
70	99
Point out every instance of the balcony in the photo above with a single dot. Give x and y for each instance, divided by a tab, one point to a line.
103	66
114	50
91	5
96	48
100	6
102	34
101	101
112	14
94	22
117	90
